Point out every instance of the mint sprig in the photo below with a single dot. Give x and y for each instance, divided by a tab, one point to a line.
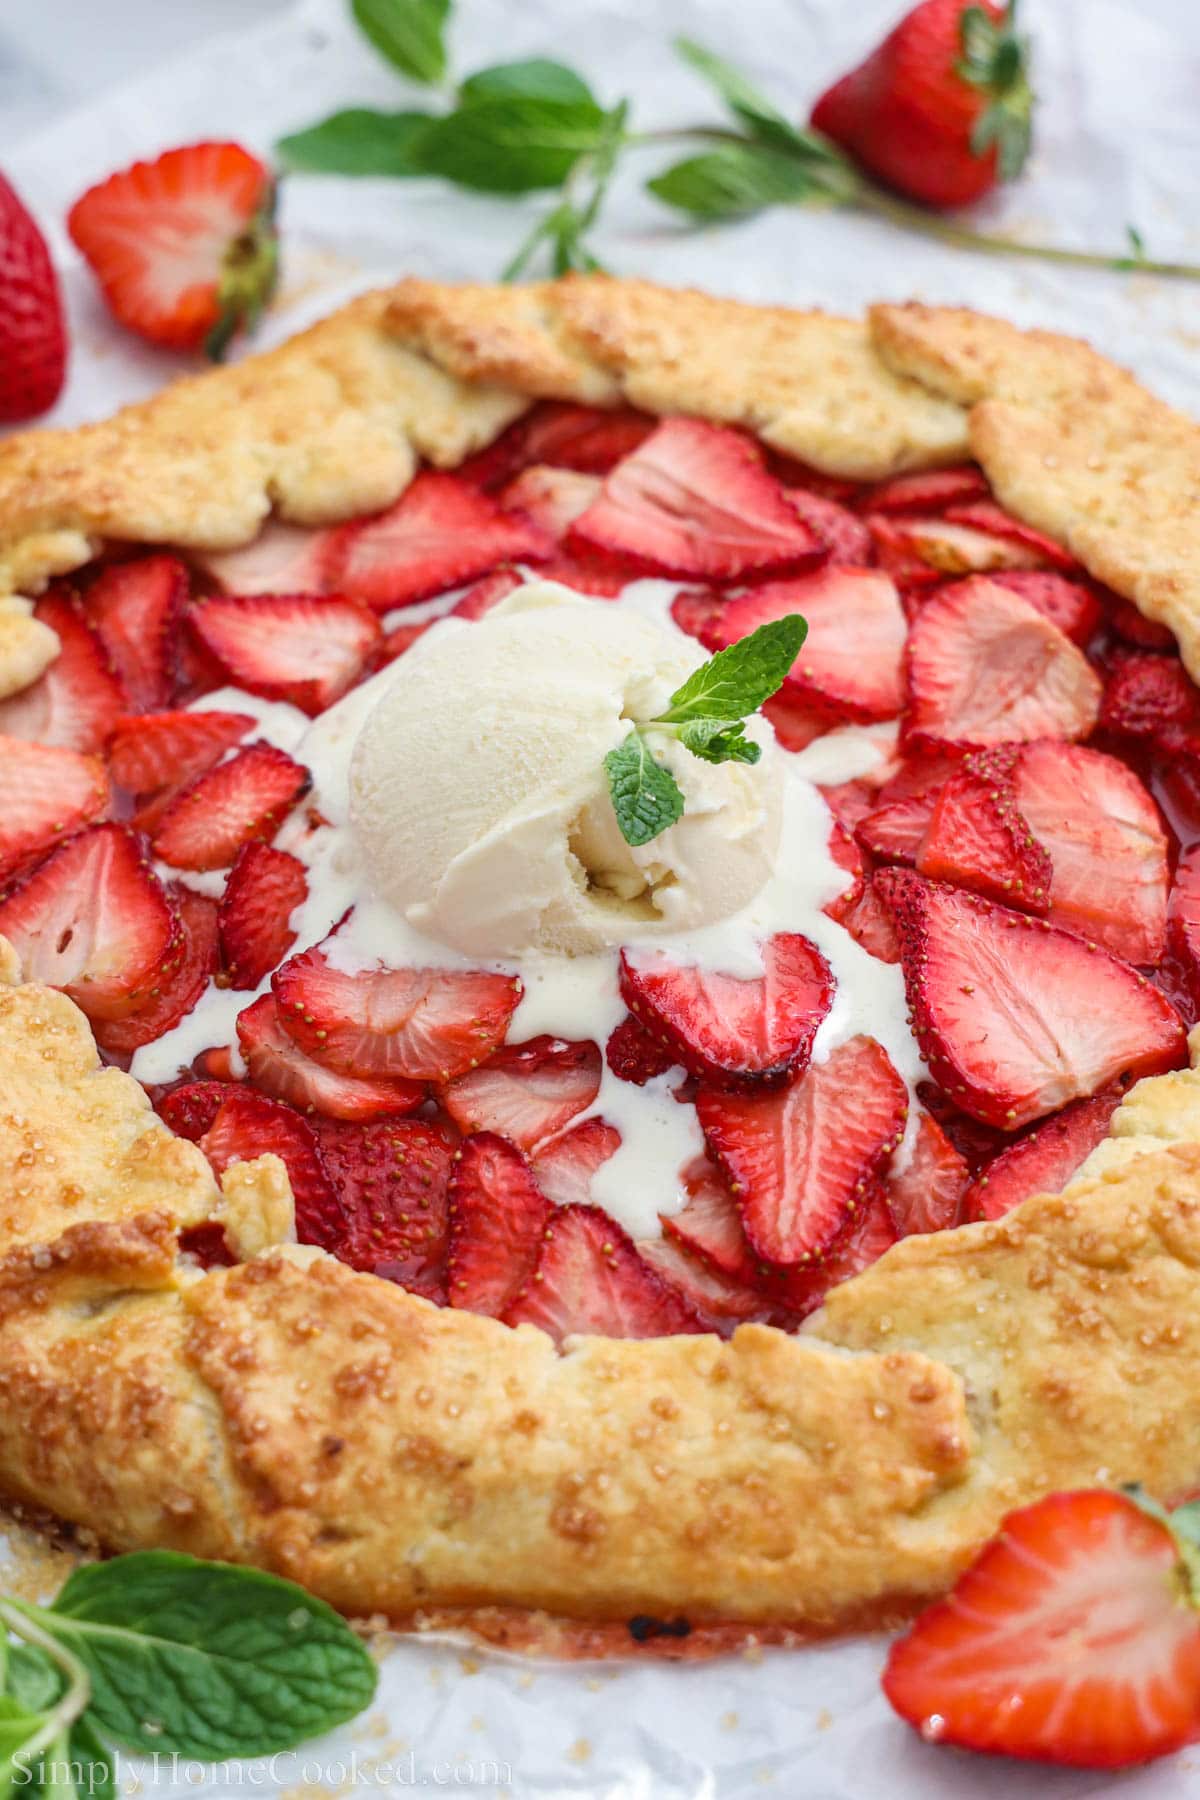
707	714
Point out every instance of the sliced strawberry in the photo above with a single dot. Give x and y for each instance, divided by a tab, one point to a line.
590	1279
1144	693
850	801
527	1092
851	659
247	797
872	1231
1071	605
928	1194
189	1110
178	993
922	771
392	1180
569	437
439	534
45	792
986	515
927	490
1044	1161
845	537
637	1055
1135	627
248	1125
279	1069
587	572
79	699
207	1245
135	608
696	611
730	1030
283	559
977	1143
498	1220
264	888
801	1159
844	851
303	648
1184	918
481	598
422	1024
869	921
895	833
978	838
400	640
552	498
985	667
95	920
214	1064
797	474
721	1304
796	723
919	552
1106	844
1014	1016
1071	1639
167	749
709	1225
696	501
564	1167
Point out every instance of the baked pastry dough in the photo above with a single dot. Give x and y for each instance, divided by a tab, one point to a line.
424	1462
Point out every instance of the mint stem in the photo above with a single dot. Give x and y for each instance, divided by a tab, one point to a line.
16	1618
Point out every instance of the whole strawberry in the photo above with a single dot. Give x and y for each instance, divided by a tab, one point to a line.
33	341
941	110
184	248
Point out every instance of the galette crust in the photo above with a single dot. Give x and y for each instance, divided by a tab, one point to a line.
401	1458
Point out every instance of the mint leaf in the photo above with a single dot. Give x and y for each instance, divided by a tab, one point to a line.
731	182
77	1766
33	1680
719	740
646	797
356	142
206	1659
536	79
504	146
409	33
736	681
743	99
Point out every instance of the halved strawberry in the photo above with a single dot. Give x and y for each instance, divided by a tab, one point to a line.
481	598
569	437
844	536
189	1110
439	534
166	749
590	1279
552	498
79	699
423	1024
1134	626
920	552
927	490
978	838
135	608
95	920
526	1092
1044	1161
1183	917
1142	693
498	1220
282	559
985	667
986	515
928	1194
177	994
637	1055
696	501
564	1167
304	648
263	889
801	1159
796	723
731	1030
851	659
392	1180
1106	844
872	1231
247	797
1073	1638
277	1067
895	833
720	1303
247	1124
1014	1016
1071	605
45	792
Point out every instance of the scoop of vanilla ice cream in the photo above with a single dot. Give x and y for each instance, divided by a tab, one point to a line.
479	796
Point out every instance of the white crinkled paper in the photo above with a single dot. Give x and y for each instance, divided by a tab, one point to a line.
1120	143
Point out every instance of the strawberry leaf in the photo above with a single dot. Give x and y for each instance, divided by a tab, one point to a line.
646	797
358	141
410	34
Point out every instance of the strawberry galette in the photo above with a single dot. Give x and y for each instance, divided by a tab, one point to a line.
600	906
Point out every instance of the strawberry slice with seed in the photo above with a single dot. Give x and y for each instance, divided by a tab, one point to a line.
895	833
1144	693
422	1024
851	661
1106	844
927	490
1134	626
987	516
167	749
552	498
264	888
564	1168
844	536
696	611
696	501
283	559
709	1226
569	437
729	1030
189	1110
392	1180
45	792
978	838
1045	1160
590	1279
135	608
796	723
1014	1016
1073	1639
844	851
178	993
95	921
1183	921
801	1160
79	699
303	648
929	1194
920	553
985	667
637	1055
247	797
869	922
480	599
440	533
526	1092
721	1304
498	1220
1071	605
278	1068
872	1231
247	1125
